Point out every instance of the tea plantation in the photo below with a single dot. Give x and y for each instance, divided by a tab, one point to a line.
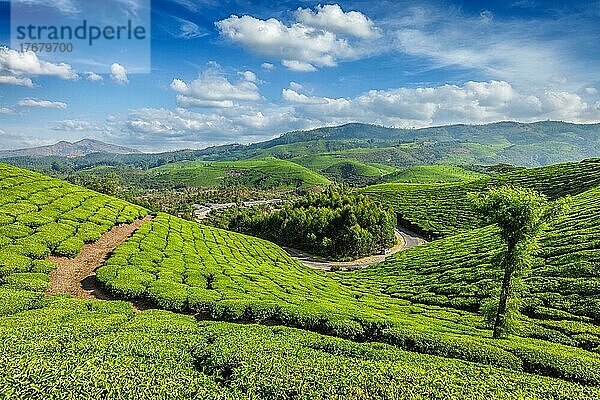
409	328
444	209
40	216
263	173
78	349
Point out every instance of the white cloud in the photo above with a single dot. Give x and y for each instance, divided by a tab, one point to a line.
17	68
291	96
300	46
92	76
212	89
296	86
298	66
6	110
189	30
118	73
473	102
267	66
29	102
591	90
529	55
332	18
17	81
249	76
72	125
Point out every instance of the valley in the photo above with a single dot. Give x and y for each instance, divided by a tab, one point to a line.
172	295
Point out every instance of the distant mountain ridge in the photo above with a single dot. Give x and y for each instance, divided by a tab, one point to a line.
515	132
516	143
67	149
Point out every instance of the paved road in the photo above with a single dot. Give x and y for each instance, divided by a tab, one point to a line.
406	239
410	238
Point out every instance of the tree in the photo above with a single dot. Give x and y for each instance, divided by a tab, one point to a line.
521	214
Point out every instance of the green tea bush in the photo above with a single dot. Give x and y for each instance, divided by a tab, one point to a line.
34	281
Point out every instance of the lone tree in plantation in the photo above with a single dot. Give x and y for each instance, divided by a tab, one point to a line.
521	214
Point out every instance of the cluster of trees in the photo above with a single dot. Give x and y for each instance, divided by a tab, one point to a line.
334	224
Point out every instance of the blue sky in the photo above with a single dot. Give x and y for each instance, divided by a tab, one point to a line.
241	71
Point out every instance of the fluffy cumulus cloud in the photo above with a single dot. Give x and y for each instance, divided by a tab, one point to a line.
292	96
316	39
18	68
118	73
249	76
251	121
92	76
29	102
184	128
332	18
473	102
213	89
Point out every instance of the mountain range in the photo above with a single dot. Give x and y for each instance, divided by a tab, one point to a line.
67	149
516	143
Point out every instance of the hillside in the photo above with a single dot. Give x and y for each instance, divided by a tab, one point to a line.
523	144
85	346
67	149
343	168
445	209
527	144
265	173
431	174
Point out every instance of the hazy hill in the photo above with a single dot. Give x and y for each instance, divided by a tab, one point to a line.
68	149
514	132
523	144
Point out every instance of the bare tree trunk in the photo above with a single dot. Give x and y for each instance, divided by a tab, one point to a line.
500	323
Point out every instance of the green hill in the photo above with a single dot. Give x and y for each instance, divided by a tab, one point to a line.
40	216
444	209
423	300
265	173
523	144
431	174
341	167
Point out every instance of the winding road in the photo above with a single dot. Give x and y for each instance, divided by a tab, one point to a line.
405	238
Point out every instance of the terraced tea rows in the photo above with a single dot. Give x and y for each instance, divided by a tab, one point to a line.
563	290
444	209
180	265
40	216
264	173
102	350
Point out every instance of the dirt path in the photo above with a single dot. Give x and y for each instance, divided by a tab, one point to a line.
77	276
405	239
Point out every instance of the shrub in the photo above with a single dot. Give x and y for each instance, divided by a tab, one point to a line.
36	282
70	247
